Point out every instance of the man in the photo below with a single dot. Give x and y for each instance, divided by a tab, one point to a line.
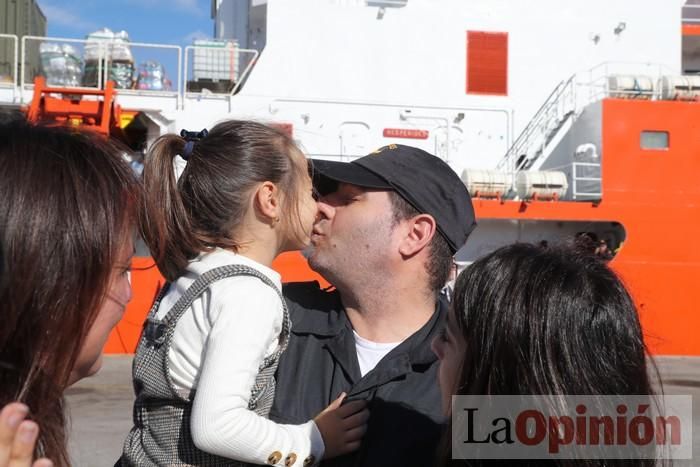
388	226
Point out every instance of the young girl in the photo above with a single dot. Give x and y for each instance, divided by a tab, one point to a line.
204	368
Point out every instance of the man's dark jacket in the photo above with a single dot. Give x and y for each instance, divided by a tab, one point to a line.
406	419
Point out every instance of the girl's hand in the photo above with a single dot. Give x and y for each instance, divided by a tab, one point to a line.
342	426
18	438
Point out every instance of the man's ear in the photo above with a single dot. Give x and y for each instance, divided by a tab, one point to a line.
266	201
419	232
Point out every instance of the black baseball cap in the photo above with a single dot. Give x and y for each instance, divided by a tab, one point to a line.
426	182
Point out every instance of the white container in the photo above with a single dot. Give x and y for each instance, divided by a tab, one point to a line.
486	183
680	88
630	86
544	184
215	60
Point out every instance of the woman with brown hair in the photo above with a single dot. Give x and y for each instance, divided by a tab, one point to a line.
67	212
527	320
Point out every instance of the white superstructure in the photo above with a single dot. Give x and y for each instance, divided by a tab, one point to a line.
347	76
342	71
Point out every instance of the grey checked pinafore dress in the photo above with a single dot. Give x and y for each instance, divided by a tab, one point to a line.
161	433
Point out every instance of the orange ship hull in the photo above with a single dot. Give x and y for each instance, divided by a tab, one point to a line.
146	282
654	194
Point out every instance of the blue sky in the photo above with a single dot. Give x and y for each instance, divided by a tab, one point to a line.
162	21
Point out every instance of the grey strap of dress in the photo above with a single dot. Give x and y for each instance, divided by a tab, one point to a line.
156	330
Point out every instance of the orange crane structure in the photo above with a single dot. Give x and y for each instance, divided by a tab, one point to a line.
88	108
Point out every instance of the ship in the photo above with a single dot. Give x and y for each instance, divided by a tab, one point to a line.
563	118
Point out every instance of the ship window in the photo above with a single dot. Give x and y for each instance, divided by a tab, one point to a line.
654	140
487	63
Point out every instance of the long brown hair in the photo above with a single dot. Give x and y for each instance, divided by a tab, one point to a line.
67	204
548	321
201	210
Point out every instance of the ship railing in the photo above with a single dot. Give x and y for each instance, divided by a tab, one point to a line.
62	67
587	181
594	84
216	72
9	66
89	64
690	14
534	138
567	101
151	76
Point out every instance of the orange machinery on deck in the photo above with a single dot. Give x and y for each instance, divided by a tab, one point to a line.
654	194
99	111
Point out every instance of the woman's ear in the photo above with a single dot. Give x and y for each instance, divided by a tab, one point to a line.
419	233
267	201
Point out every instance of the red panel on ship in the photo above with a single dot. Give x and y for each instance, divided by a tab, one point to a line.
487	63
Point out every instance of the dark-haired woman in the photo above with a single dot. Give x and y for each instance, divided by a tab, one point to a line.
528	320
67	215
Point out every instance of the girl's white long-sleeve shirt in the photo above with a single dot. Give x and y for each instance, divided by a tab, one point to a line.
217	347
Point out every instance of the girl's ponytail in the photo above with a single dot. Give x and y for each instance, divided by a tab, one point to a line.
203	209
165	223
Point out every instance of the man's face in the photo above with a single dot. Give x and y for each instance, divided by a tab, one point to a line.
351	239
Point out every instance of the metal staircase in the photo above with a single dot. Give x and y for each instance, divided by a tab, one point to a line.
534	141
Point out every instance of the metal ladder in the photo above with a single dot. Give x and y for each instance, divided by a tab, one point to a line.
559	107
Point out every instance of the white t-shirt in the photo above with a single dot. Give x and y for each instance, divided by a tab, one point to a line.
370	353
217	347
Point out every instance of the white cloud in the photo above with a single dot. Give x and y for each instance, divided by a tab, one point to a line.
65	17
195	35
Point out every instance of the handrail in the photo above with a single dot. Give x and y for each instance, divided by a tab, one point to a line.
247	69
689	20
21	84
575	179
158	46
103	62
101	76
543	115
238	78
607	65
597	77
528	128
597	84
15	67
